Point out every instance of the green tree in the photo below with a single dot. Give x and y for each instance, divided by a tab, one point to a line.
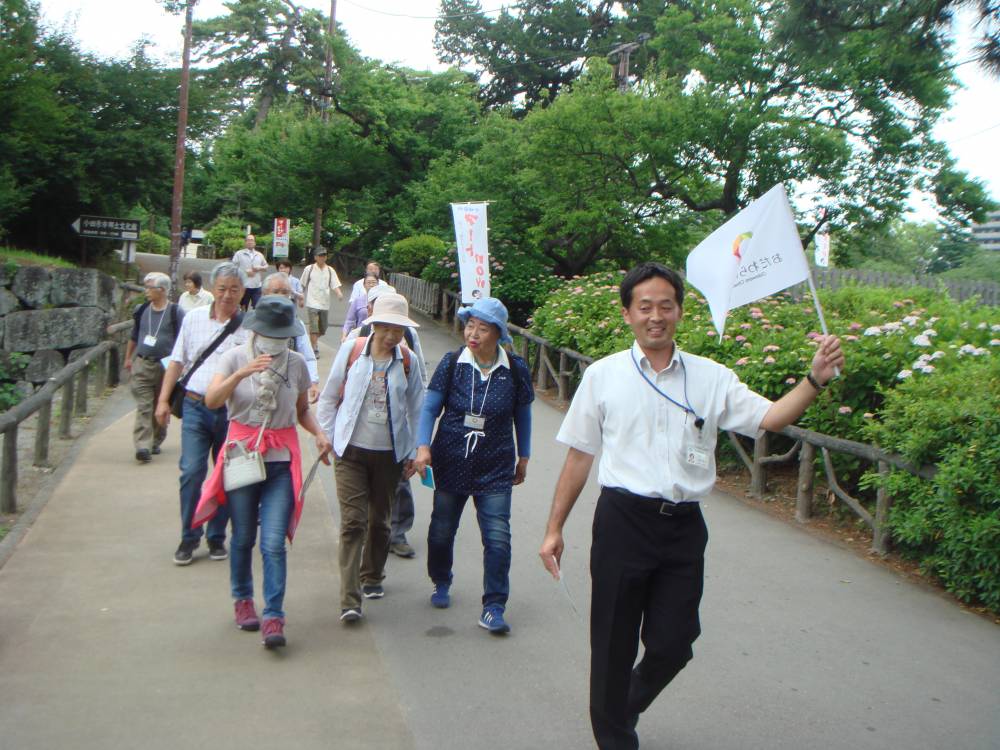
530	51
262	51
30	98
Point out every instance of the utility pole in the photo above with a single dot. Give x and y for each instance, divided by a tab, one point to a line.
182	115
624	52
327	103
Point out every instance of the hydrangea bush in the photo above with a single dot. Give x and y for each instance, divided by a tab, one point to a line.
899	344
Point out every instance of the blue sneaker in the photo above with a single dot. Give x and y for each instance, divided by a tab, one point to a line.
441	598
492	620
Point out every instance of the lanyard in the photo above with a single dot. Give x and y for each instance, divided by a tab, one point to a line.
686	406
163	312
472	393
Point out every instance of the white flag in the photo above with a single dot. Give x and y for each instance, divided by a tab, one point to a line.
756	253
473	250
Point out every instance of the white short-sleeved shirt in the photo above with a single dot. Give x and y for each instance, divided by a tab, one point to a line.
198	330
189	301
248	259
645	441
318	283
358	290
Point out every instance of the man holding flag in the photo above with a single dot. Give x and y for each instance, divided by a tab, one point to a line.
654	412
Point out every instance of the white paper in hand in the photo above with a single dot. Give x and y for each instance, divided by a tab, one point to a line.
562	584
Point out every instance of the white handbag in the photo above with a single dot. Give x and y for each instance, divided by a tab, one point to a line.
242	467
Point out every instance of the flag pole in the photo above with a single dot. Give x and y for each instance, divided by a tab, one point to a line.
819	312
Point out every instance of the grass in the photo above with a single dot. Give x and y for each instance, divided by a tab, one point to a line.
26	257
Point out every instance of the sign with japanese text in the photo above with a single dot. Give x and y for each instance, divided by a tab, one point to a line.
107	228
279	247
473	250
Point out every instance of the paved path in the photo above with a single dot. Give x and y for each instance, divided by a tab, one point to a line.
104	643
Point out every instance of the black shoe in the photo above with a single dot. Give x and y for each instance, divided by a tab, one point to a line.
350	614
217	550
156	450
373	592
185	553
143	456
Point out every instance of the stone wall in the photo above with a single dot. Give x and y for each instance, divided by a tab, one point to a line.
47	313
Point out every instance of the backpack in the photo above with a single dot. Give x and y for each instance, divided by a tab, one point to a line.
173	307
359	346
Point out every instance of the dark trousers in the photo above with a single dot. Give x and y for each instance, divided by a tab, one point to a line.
250	298
647	569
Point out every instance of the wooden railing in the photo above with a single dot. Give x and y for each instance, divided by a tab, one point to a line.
73	382
421	294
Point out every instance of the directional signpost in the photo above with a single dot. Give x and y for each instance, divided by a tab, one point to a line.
109	228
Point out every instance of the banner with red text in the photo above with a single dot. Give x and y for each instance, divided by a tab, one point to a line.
473	250
279	248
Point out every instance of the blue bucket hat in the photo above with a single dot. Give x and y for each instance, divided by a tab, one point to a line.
489	310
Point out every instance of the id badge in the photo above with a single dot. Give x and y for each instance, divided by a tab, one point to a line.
696	456
149	340
474	422
376	416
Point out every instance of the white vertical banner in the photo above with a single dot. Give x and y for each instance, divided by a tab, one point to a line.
822	253
279	246
473	250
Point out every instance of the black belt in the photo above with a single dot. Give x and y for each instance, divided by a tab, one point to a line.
656	504
148	358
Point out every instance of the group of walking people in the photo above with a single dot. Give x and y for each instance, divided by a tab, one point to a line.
242	380
651	412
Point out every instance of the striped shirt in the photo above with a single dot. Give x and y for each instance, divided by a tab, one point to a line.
198	330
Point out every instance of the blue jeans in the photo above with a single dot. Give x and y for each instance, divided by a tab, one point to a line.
271	503
203	430
493	514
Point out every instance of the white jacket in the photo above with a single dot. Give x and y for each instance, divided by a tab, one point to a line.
406	397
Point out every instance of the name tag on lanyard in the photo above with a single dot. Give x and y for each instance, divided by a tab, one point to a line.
474	421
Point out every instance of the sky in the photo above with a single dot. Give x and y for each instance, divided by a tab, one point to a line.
402	31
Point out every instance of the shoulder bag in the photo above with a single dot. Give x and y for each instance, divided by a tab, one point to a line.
180	387
242	467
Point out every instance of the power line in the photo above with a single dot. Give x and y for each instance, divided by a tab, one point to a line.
407	15
978	132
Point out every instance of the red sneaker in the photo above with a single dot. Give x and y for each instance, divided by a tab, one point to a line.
246	615
273	632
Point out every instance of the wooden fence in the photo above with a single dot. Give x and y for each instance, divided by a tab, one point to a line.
73	382
987	292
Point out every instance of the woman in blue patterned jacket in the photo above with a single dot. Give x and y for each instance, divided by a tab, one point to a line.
485	393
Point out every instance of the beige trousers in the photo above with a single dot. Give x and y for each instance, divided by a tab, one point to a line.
147	376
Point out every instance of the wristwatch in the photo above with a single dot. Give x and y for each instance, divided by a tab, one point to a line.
815	383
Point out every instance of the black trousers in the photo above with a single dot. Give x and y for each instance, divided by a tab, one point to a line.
647	565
